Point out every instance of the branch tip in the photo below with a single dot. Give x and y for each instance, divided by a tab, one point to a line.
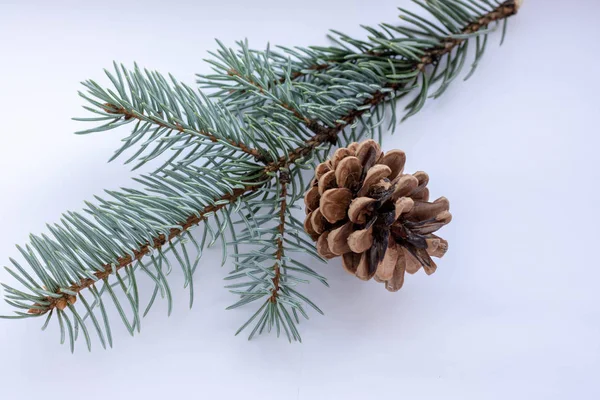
518	4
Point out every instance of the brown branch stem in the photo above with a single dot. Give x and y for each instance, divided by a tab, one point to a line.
284	179
503	11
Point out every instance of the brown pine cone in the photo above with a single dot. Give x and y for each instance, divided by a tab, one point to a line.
362	207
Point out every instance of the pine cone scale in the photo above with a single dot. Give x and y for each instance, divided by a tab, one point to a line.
385	271
334	204
348	172
338	239
360	208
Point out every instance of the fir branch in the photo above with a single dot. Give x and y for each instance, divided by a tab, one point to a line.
167	116
126	260
129	114
267	272
325	134
240	152
413	66
501	12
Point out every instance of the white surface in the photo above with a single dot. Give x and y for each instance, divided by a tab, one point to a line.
512	311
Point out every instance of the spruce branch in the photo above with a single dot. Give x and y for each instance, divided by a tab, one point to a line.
430	57
236	158
168	116
137	254
129	114
444	45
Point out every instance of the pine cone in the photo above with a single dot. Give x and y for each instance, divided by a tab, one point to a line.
361	206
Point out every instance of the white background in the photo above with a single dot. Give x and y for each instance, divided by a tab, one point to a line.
513	311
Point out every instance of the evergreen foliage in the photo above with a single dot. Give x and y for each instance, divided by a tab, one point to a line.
234	162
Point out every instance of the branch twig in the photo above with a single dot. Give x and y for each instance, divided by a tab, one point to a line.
118	110
143	250
322	134
284	179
